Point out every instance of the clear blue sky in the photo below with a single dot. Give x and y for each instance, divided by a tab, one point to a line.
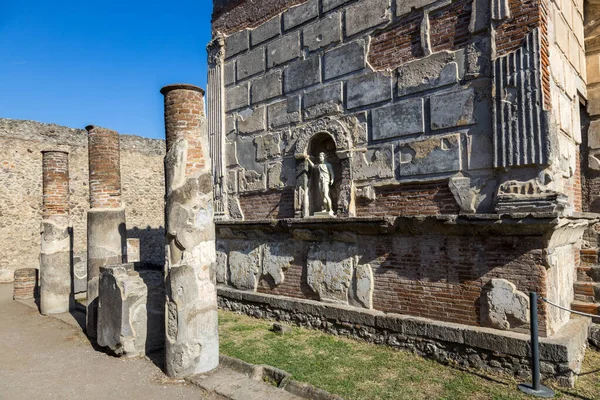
77	63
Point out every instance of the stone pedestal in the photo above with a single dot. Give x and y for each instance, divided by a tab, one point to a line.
55	257
192	340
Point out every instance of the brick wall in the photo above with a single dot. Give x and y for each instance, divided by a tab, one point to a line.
276	204
449	26
397	44
105	168
55	172
21	144
409	199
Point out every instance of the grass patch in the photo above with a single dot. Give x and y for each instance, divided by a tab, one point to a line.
361	371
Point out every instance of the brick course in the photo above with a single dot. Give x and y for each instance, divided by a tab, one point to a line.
275	204
55	181
105	168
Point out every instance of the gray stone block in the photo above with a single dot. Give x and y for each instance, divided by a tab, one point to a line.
250	181
344	59
429	156
302	74
323	101
366	14
251	63
331	4
229	73
266	87
431	72
368	89
284	112
406	6
236	43
246	154
376	163
323	32
300	14
284	49
230	128
454	109
266	31
267	146
400	119
236	97
250	121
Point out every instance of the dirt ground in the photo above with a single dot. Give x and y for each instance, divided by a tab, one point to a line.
45	358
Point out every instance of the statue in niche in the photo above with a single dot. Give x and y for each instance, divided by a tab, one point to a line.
325	177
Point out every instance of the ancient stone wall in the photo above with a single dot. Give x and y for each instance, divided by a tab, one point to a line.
21	143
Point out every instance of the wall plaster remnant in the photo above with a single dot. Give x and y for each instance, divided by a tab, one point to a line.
507	307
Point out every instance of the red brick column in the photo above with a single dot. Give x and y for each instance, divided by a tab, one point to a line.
106	230
55	259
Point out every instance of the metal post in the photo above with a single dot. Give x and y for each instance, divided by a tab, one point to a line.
536	388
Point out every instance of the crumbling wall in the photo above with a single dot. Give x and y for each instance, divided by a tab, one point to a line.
21	143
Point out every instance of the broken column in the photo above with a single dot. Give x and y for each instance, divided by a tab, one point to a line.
192	340
106	232
55	258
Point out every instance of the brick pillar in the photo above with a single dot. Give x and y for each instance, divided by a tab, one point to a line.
55	257
192	340
106	231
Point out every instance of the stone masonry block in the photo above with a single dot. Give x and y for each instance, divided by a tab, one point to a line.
406	6
366	14
284	112
400	119
300	14
229	73
284	49
252	181
302	74
344	59
323	32
429	156
267	146
236	43
251	63
431	72
368	89
331	4
236	97
454	109
250	121
322	101
266	87
266	31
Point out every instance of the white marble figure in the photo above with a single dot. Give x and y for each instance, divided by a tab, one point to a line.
325	178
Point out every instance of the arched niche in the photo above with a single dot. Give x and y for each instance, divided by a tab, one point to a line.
328	136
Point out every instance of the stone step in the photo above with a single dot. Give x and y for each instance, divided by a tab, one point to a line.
584	273
589	256
584	299
584	288
588	308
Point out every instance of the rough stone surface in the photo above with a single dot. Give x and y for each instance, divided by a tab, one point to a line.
323	101
266	31
375	163
331	4
431	72
244	264
323	33
252	181
236	43
366	14
429	156
329	271
133	250
302	74
300	14
344	59
507	307
284	49
473	195
284	112
277	258
267	146
406	117
405	6
453	109
368	89
266	87
251	63
236	97
251	120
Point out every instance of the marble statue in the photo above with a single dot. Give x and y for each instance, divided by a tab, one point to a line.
325	177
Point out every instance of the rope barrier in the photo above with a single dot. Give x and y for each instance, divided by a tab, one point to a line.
571	311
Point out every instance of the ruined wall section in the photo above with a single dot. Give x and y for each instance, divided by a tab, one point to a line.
21	143
408	82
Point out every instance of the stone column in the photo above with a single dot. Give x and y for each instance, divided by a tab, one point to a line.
192	339
106	232
216	122
55	258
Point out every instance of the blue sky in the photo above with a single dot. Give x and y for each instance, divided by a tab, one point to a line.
77	63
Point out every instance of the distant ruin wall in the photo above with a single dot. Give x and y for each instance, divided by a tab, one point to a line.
21	143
